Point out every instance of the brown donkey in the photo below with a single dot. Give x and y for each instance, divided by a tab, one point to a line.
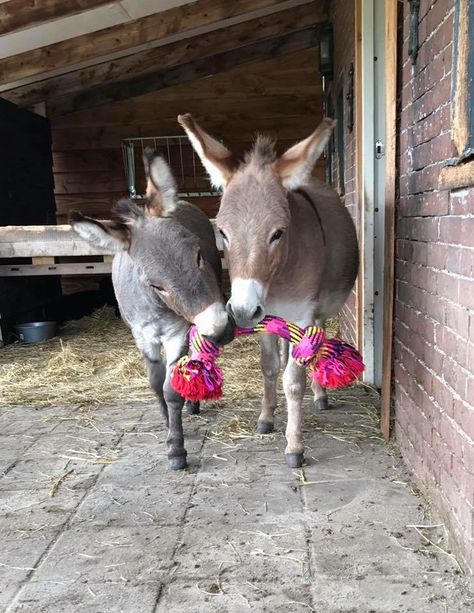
291	248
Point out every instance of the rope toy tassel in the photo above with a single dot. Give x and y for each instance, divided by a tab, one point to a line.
337	365
197	376
331	362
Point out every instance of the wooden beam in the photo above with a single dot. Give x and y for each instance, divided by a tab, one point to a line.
21	14
456	177
168	56
460	113
44	270
199	69
235	132
44	241
242	108
391	20
124	39
52	241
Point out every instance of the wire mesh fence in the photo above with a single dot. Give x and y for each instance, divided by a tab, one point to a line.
190	176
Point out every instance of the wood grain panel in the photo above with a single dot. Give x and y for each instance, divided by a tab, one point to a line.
125	37
165	57
20	14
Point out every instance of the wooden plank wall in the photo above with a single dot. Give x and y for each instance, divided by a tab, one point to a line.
282	97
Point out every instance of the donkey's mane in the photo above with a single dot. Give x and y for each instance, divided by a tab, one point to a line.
263	151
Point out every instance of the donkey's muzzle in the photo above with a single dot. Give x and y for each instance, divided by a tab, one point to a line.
227	335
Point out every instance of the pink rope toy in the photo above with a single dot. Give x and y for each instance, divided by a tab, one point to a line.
330	361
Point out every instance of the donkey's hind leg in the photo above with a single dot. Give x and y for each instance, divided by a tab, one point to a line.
156	377
270	363
192	408
319	392
320	397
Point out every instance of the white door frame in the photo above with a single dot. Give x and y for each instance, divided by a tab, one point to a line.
371	157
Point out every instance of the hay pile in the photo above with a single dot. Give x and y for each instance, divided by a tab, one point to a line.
95	361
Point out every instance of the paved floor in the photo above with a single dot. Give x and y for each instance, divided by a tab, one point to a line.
92	519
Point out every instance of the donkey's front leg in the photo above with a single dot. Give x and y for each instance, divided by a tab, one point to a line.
270	363
294	384
175	347
175	440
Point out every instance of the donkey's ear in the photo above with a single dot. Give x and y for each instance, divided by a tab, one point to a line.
295	166
161	190
216	159
110	235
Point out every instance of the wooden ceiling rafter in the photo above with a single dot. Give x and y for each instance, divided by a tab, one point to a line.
22	14
132	37
185	72
164	58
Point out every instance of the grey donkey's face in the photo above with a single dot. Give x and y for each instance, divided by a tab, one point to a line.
167	255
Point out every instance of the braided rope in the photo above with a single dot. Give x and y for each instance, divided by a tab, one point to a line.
330	362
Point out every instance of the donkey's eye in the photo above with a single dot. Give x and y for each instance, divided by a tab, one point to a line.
199	259
276	236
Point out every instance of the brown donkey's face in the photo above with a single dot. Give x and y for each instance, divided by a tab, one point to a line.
168	256
254	216
253	220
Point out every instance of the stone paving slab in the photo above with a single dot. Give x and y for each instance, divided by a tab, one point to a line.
92	519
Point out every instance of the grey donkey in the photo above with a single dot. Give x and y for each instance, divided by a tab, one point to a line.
166	275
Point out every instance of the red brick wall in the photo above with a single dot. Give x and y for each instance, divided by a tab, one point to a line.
342	17
434	299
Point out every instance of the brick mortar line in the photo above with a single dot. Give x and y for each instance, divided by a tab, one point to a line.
430	140
432	345
436	375
442	106
442	298
440	163
452	422
433	269
44	556
416	97
407	61
431	319
428	241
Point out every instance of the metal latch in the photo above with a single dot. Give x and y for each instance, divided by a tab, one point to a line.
379	149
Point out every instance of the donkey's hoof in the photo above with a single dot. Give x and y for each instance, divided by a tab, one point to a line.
178	463
193	408
294	460
264	427
321	404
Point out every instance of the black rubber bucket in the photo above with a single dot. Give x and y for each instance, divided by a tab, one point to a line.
36	331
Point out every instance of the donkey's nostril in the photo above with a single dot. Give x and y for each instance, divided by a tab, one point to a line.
257	313
229	309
